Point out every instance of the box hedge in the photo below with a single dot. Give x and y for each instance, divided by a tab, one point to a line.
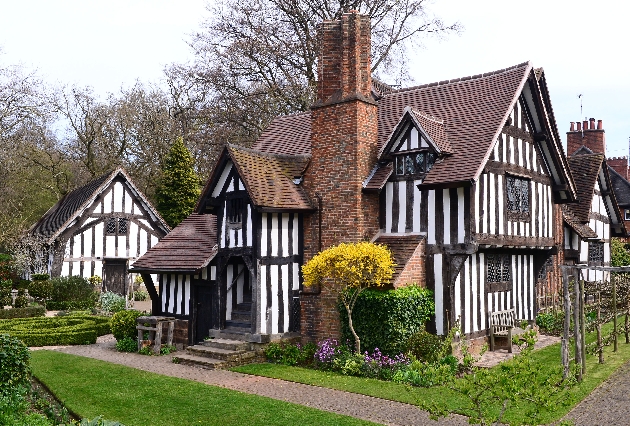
386	319
28	312
51	331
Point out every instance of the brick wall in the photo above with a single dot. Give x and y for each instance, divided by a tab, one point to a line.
585	133
620	165
343	149
415	268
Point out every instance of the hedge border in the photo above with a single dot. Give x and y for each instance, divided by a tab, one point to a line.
67	330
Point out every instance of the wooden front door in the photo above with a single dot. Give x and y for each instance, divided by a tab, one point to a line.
115	275
202	312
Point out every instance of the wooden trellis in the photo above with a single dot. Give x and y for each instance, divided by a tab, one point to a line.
592	304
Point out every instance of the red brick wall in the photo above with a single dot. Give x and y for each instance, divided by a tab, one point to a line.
343	149
587	134
415	268
620	165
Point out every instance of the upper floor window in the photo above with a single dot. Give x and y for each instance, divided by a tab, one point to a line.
627	214
234	212
517	192
596	253
415	163
116	226
499	268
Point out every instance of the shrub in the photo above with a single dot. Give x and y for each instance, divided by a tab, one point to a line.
5	297
111	302
551	322
40	277
41	290
387	319
49	331
72	293
28	312
290	354
382	366
7	266
14	368
6	284
127	344
425	346
96	282
140	296
124	323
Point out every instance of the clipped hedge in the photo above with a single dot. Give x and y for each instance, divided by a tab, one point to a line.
74	305
387	319
28	312
51	331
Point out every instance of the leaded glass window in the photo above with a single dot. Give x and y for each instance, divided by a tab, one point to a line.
499	267
122	225
415	163
596	253
517	194
234	212
111	226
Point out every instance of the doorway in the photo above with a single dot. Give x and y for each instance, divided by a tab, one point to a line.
202	312
115	275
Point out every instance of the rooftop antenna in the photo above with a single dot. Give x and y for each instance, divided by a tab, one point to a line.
580	98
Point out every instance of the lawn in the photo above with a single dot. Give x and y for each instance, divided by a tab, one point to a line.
90	387
545	358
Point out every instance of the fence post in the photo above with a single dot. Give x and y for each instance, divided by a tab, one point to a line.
567	323
577	329
614	301
583	325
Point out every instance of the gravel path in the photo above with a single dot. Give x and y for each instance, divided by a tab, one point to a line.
350	404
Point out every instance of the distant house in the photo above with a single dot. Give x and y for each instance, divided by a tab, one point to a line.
461	179
619	174
100	229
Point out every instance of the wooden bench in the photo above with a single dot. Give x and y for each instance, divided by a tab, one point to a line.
501	324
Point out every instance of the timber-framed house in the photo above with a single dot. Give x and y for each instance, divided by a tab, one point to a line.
100	229
461	179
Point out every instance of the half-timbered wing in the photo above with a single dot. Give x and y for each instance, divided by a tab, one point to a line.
100	229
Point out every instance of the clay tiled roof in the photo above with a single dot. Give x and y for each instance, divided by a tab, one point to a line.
434	128
378	178
582	229
473	109
287	134
270	178
187	248
402	248
59	214
584	168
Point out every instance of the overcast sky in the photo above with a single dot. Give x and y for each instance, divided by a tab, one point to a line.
109	44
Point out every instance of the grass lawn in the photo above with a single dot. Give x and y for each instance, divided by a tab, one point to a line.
90	387
546	358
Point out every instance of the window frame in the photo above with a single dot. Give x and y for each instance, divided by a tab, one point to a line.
626	214
234	212
596	248
404	155
117	221
518	214
504	262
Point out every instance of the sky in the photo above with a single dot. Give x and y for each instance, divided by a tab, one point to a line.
110	44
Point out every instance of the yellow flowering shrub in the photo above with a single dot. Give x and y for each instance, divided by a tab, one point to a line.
351	268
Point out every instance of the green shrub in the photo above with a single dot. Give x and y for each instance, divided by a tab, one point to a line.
21	301
5	297
127	344
73	289
140	296
111	302
425	347
50	331
7	266
21	284
290	354
386	319
40	277
41	290
551	322
6	284
124	324
77	305
28	312
14	368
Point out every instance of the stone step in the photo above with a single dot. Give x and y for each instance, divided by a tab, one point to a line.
218	353
200	361
234	345
241	316
244	325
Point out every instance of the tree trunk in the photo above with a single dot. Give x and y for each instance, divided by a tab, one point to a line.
357	341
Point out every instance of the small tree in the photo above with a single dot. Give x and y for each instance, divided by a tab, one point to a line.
351	268
619	255
178	189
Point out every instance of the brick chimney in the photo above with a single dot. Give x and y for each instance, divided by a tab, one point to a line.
586	134
343	153
620	165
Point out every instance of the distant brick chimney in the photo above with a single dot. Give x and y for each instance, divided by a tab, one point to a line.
586	134
343	152
620	165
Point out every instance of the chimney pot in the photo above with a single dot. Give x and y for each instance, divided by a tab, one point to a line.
579	126
585	125
572	126
591	123
600	126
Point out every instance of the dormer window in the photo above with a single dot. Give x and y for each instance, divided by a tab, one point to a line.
414	163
